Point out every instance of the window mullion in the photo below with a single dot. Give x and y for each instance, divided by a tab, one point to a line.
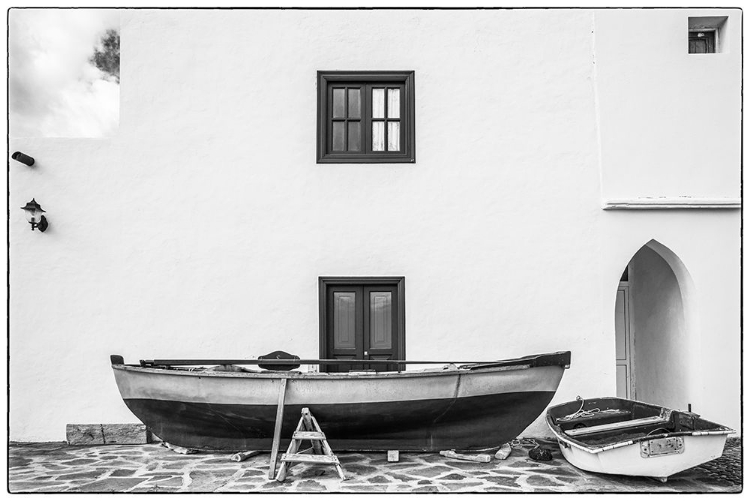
385	118
367	116
346	119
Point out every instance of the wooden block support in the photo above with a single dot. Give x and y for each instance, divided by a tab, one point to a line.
106	434
393	456
241	456
477	458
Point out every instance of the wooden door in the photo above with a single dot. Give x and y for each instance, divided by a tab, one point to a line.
702	42
624	344
361	323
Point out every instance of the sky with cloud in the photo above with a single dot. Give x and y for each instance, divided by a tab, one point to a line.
53	89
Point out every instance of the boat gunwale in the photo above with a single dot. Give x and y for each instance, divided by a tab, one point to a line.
562	436
322	375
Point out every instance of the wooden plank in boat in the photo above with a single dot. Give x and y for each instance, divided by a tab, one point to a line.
577	432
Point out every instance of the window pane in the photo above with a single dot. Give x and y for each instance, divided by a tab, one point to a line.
354	103
378	103
355	140
394	103
380	320
338	103
394	136
378	136
338	136
343	320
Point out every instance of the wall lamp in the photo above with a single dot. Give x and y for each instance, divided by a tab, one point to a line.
23	158
34	215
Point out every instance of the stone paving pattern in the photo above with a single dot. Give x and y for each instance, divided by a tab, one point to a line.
58	467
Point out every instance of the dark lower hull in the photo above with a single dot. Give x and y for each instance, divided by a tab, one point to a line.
421	425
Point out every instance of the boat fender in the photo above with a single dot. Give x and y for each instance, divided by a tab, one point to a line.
540	454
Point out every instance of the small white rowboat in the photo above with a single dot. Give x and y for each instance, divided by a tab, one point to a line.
626	437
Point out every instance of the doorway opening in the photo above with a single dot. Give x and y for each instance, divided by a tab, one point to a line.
654	328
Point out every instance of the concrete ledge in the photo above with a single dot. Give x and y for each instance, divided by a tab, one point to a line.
105	434
672	203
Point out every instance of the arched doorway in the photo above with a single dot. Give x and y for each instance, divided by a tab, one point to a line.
654	324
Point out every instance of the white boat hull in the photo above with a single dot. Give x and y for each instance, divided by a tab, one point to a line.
627	460
626	437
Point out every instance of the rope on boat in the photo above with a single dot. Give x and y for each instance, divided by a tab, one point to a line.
663	430
518	443
582	413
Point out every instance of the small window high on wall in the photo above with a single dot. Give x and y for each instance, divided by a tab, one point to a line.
365	117
706	34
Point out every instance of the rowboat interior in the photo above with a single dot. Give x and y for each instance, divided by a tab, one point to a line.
598	422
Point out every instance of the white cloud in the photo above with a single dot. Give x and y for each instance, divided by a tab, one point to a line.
53	90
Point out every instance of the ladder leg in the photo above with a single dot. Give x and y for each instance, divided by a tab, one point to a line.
277	429
309	427
292	449
327	449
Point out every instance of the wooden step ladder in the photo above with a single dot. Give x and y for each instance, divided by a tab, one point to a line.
308	429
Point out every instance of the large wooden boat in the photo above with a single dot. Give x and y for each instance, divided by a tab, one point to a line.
626	437
469	406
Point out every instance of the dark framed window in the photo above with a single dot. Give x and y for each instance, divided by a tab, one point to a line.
362	318
707	34
365	116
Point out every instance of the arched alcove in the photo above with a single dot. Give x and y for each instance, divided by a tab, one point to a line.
655	319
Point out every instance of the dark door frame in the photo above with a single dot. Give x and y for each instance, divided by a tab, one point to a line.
399	282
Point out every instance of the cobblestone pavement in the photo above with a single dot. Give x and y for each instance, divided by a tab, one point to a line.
57	467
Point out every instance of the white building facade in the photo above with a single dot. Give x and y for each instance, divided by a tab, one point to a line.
545	152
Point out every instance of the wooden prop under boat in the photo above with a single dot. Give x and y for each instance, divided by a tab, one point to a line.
471	406
627	437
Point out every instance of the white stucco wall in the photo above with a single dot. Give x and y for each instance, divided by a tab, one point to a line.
202	227
668	118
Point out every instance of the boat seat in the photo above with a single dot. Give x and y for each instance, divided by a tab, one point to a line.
619	425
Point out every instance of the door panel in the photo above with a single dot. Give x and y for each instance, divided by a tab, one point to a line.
623	344
344	320
622	381
345	326
380	324
381	318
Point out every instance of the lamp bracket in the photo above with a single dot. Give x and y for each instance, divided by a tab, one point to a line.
41	225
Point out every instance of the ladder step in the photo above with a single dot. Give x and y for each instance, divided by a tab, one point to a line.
309	435
309	458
